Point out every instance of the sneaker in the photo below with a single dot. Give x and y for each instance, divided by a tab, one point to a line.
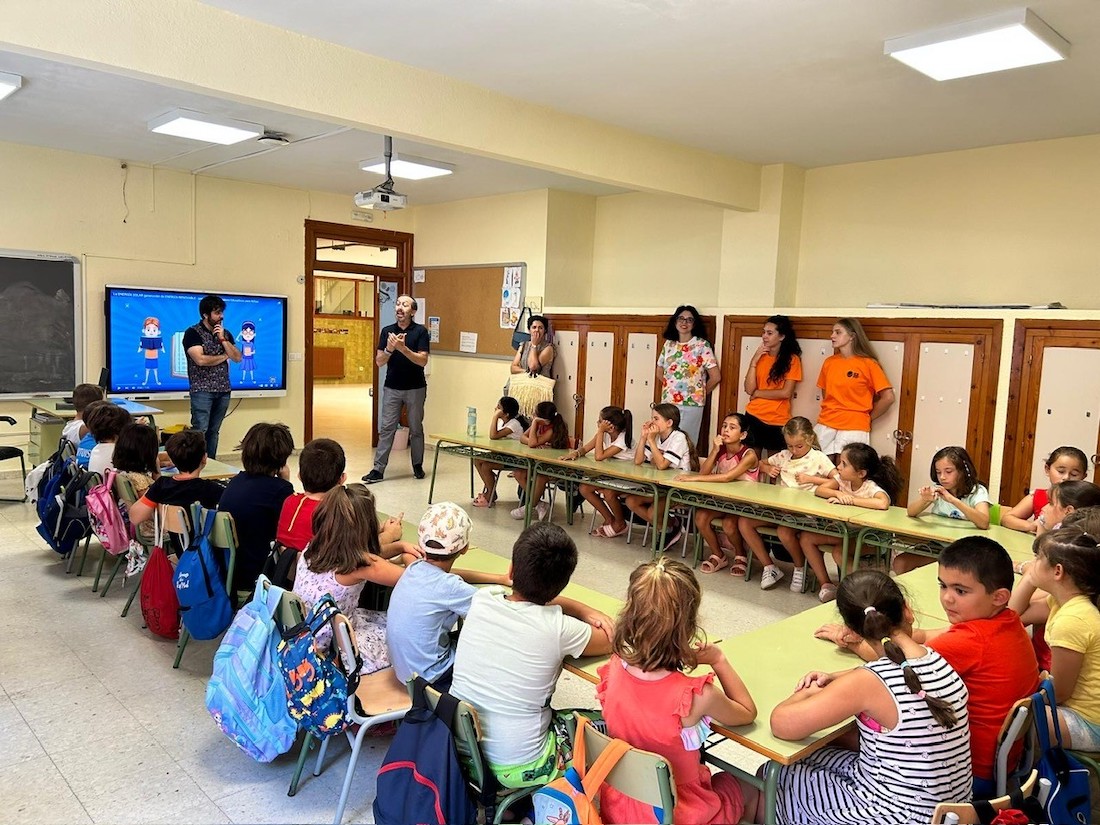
771	576
542	510
827	592
373	477
798	579
675	532
518	513
418	470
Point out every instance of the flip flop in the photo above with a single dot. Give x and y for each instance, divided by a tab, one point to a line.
481	501
714	563
606	531
740	566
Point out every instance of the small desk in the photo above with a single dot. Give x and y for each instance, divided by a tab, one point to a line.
927	534
214	470
624	476
49	405
785	506
504	451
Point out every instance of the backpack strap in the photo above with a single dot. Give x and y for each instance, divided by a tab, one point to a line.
301	501
593	778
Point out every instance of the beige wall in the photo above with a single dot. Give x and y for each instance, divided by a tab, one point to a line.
570	235
1001	224
655	251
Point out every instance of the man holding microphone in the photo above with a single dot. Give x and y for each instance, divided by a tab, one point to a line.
209	350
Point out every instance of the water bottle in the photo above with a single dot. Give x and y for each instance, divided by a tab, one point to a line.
471	421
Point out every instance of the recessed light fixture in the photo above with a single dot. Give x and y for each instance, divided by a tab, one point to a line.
408	167
198	126
9	83
1006	40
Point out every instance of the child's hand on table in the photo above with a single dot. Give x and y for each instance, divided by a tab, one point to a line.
842	498
838	634
814	679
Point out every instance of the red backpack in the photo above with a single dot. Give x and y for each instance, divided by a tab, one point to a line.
159	605
109	522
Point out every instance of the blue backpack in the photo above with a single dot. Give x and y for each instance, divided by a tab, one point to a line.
420	779
245	694
1068	802
62	506
200	583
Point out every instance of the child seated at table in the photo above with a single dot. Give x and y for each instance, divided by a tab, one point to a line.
187	449
955	492
614	438
510	655
547	429
1064	464
320	468
803	466
83	395
863	479
430	598
342	557
649	701
911	720
731	458
1067	567
985	643
1066	498
505	423
104	423
666	447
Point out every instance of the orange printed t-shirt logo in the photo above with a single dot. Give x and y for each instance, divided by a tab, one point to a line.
850	386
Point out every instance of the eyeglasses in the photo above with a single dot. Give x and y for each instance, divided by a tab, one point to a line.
685	320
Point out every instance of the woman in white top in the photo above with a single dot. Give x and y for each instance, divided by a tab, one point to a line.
666	447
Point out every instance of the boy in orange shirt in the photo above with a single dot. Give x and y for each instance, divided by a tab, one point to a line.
986	643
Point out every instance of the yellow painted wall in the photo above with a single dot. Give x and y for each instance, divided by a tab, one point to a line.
570	235
1002	224
655	251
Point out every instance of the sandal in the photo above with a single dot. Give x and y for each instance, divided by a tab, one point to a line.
606	531
714	563
740	566
481	500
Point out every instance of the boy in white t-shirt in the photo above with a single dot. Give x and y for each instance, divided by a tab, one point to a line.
510	655
83	395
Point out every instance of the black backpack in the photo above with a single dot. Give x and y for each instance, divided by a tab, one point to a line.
279	565
63	507
421	779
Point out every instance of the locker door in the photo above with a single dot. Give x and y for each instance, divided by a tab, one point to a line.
568	342
597	380
747	346
942	408
1069	401
641	361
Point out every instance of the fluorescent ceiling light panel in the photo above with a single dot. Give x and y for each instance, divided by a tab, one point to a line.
1001	41
407	167
9	83
197	126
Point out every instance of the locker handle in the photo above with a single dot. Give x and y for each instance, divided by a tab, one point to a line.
902	439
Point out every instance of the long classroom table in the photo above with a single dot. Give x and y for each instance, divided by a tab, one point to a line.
506	452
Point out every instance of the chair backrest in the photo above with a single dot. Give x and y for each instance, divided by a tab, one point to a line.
223	536
1019	726
290	611
466	730
344	636
966	813
641	775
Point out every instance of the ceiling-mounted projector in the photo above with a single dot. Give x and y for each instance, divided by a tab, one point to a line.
382	197
384	200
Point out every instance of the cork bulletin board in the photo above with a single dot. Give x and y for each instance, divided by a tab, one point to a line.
468	300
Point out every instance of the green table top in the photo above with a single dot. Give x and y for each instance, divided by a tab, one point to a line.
943	529
627	470
483	442
770	495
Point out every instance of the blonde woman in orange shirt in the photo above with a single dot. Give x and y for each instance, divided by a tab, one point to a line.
854	390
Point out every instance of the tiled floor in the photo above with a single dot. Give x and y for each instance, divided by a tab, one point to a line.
96	726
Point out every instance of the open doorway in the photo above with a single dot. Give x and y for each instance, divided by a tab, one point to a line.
353	275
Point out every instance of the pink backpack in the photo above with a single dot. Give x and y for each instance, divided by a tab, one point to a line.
109	521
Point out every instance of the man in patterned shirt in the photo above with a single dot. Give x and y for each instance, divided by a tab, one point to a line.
209	350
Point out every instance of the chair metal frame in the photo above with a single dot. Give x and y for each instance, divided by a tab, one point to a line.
18	453
966	813
378	699
1019	725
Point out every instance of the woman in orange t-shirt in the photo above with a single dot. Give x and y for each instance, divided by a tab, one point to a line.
773	371
854	389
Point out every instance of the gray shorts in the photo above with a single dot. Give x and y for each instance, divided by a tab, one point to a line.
1083	734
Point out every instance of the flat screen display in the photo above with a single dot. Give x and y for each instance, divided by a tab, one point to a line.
145	328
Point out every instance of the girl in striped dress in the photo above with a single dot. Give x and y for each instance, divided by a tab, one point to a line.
911	720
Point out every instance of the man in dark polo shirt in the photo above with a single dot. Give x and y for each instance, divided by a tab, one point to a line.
209	350
404	347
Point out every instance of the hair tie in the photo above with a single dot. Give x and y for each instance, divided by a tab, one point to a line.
869	609
885	639
921	694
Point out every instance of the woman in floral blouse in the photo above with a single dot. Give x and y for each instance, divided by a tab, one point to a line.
687	370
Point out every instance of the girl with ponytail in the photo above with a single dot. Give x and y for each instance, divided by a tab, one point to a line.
910	713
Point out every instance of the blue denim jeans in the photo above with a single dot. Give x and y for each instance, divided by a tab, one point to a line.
207	411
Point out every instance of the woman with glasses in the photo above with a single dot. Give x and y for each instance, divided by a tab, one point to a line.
687	370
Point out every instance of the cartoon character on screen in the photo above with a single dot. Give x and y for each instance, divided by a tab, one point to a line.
248	351
153	345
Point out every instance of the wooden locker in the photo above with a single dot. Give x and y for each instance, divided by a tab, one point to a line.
1069	406
641	359
942	407
600	350
565	368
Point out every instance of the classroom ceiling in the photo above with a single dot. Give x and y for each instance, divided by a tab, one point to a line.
797	81
78	109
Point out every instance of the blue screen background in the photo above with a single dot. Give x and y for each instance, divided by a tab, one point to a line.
128	308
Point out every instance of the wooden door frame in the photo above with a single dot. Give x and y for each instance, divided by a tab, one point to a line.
1030	338
983	334
402	242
